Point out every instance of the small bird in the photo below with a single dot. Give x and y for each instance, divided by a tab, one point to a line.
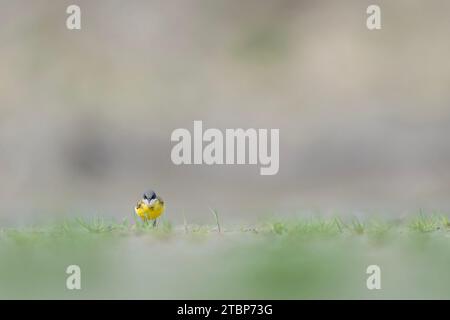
150	207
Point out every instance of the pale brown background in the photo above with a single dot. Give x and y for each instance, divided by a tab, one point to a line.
86	116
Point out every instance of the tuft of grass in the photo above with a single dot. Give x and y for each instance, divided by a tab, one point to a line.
314	227
425	224
357	226
339	224
278	228
445	222
216	216
96	225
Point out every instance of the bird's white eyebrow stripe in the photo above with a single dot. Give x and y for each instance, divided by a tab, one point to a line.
149	203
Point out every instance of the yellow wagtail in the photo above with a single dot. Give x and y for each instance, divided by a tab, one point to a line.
150	207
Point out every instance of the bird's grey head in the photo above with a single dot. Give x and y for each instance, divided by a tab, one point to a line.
149	195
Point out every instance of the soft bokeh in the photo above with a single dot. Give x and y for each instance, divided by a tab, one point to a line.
86	116
306	261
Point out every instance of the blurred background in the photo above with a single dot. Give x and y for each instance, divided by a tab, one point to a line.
86	116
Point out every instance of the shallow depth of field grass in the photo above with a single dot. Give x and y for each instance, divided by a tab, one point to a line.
292	259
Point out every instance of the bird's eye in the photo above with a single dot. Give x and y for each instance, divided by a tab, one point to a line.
153	196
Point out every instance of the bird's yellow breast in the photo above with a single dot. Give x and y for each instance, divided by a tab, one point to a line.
149	212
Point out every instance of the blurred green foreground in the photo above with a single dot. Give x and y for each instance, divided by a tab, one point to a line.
305	259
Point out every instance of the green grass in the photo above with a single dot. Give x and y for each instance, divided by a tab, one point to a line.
310	227
293	258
